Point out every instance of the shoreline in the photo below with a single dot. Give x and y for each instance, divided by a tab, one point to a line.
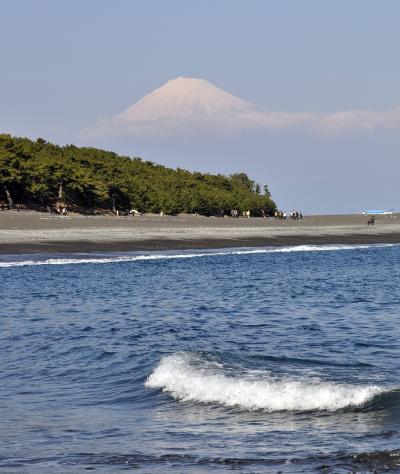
27	232
165	245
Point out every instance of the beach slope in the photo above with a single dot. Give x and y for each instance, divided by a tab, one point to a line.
28	231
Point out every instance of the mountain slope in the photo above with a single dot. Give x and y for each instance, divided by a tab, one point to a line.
186	98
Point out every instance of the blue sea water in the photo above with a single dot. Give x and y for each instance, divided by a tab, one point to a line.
266	360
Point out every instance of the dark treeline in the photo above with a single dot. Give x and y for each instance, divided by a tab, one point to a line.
37	174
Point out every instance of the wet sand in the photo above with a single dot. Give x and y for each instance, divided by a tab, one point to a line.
28	232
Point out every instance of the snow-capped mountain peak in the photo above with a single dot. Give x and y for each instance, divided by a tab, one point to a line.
186	98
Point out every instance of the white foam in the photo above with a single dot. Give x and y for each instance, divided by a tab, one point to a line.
170	256
186	378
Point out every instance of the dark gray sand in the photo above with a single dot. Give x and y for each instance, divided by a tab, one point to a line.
26	232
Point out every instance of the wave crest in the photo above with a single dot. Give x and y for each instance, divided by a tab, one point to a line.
186	255
185	378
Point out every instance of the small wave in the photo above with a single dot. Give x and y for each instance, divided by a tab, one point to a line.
187	378
171	256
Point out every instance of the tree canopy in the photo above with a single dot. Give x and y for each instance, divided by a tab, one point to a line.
37	173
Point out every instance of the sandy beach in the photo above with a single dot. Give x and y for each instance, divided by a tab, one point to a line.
29	231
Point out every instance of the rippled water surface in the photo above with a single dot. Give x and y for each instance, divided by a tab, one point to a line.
260	360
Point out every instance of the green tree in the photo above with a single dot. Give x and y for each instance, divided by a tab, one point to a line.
38	172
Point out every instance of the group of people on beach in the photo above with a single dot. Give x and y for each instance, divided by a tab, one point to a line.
296	215
282	215
236	214
279	214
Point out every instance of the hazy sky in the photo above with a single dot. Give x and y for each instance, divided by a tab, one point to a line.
66	64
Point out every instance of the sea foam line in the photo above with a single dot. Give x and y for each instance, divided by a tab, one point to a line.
166	256
185	378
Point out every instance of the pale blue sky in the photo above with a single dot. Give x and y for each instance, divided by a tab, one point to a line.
65	64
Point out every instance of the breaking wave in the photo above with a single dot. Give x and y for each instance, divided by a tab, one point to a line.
187	378
172	256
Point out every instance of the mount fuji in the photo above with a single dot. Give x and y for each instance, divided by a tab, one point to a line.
187	106
187	98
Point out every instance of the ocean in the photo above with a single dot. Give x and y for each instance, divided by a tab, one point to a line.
247	360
